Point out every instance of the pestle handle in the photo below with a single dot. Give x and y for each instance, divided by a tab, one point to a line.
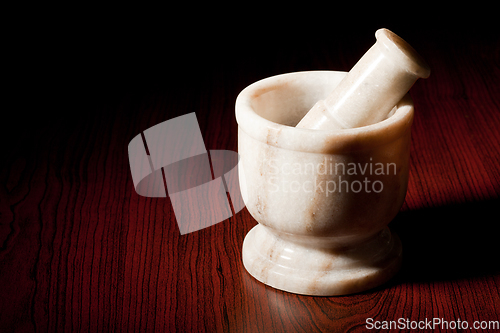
372	87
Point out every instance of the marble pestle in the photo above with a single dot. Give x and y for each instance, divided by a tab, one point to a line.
372	88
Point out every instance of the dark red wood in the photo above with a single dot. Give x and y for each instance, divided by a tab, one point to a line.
81	251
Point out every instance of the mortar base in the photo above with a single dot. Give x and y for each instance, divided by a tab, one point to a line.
306	270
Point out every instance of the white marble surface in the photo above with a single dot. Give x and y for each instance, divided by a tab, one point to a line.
372	87
320	271
313	238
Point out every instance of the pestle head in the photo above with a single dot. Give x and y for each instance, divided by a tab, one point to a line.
409	57
372	88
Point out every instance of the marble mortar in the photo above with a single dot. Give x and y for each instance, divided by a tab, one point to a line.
322	199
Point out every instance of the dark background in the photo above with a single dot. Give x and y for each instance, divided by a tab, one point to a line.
66	66
81	251
63	62
90	56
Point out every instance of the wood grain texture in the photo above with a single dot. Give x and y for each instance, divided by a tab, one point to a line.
80	251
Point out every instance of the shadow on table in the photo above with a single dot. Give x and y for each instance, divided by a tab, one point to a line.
449	242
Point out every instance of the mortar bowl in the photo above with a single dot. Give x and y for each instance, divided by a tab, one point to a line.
322	199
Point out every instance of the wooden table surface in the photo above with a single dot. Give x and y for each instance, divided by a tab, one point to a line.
81	251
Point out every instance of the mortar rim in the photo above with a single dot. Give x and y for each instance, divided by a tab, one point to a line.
317	141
